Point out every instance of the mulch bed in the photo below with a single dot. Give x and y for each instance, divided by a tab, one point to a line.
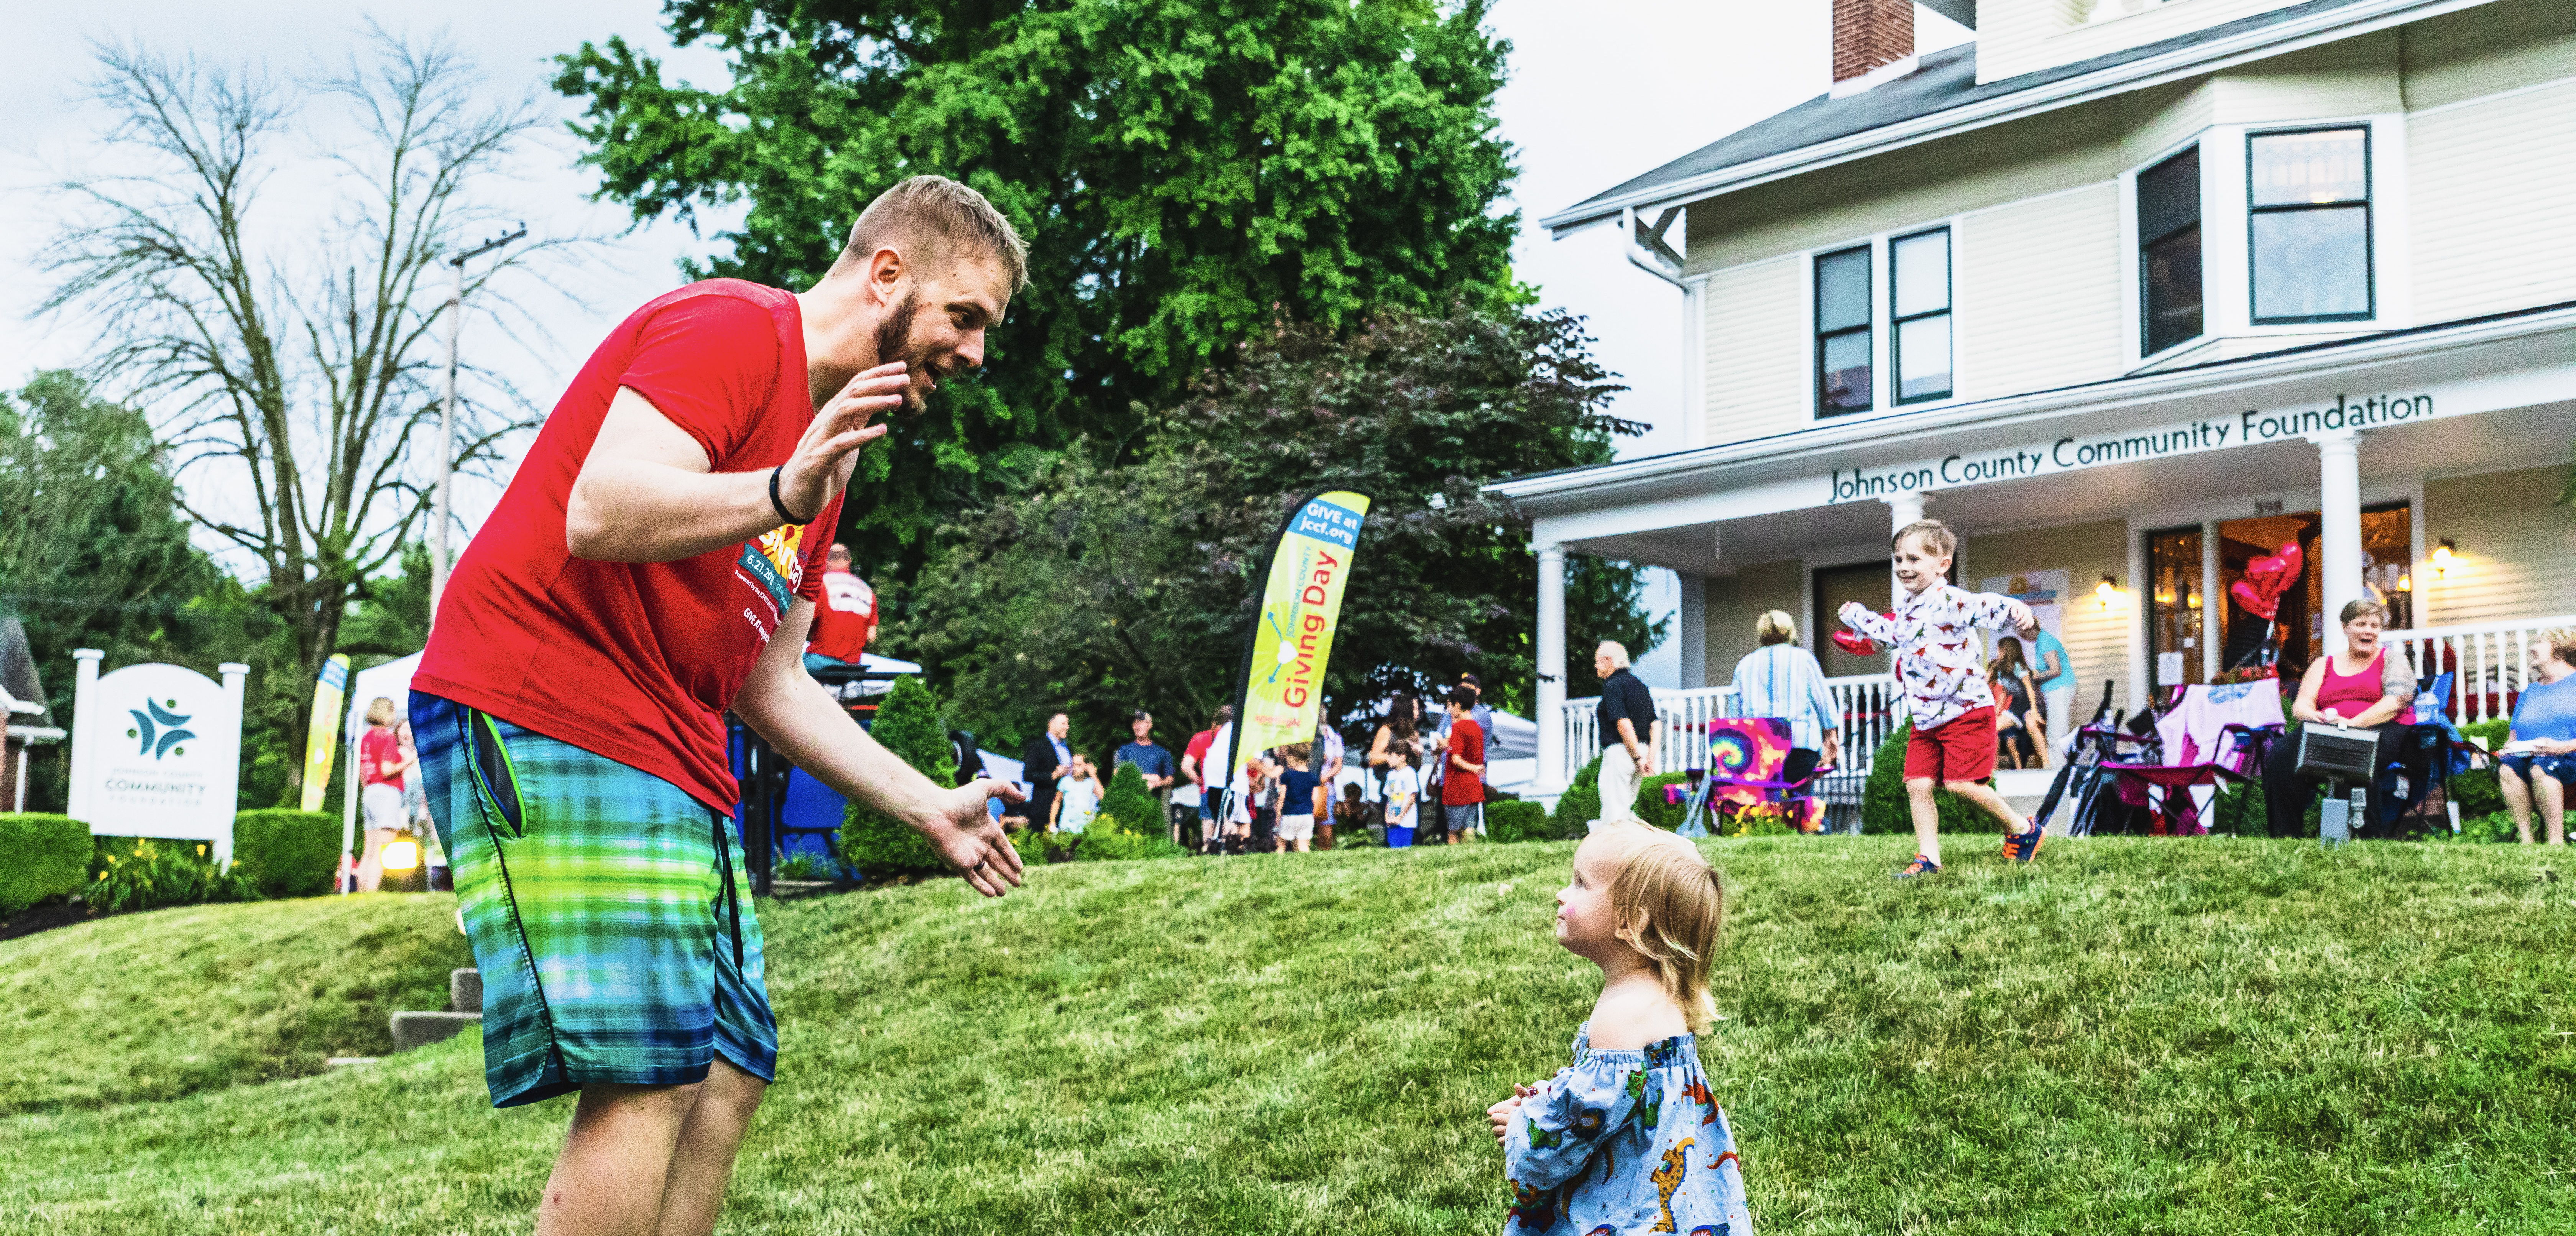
33	919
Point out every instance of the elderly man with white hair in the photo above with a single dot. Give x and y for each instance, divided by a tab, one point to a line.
1629	730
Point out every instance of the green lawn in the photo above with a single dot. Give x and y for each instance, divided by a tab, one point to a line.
155	1006
2211	1036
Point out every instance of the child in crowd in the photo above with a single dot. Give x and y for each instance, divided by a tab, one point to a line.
1077	796
1629	1130
1462	785
1403	797
1301	798
1946	692
1351	815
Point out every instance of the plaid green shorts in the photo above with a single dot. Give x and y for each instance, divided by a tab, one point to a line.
608	911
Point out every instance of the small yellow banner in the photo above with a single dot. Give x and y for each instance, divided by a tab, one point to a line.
322	744
1283	693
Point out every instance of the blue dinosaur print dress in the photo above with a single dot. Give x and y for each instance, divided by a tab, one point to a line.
1625	1141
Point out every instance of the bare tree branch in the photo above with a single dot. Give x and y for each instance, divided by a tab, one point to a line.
293	368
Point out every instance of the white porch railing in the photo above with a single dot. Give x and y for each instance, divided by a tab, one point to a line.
2490	661
1869	703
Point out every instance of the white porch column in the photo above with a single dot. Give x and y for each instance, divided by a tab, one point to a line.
2213	603
1902	509
2339	533
1690	626
1551	669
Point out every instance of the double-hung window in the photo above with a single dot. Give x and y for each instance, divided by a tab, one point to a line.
2308	224
1843	346
2169	273
1918	296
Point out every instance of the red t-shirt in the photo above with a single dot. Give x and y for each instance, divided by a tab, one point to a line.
377	748
1198	749
1459	787
637	661
844	619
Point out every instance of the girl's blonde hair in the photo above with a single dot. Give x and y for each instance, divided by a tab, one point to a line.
380	711
1775	626
1672	908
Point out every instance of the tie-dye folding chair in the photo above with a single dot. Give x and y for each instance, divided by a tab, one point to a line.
1748	778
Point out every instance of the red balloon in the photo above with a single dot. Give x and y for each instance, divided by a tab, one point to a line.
2266	579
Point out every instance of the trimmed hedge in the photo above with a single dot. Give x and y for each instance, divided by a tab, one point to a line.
1514	820
41	855
287	853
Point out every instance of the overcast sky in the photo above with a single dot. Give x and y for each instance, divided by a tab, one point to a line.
1599	92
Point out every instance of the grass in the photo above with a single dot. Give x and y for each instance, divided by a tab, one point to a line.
2215	1036
138	1007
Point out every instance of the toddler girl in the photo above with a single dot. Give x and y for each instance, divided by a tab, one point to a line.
1628	1138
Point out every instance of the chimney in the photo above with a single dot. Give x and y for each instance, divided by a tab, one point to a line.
1870	34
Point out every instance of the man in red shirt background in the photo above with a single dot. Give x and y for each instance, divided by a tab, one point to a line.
1462	784
655	563
846	616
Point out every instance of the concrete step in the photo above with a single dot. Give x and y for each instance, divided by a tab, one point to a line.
422	1029
465	990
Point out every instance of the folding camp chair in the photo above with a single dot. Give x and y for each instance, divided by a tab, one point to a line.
1748	775
2175	776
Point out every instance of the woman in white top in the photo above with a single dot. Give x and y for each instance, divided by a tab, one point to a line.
1781	679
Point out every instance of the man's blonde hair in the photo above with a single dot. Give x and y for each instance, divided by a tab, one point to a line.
1936	536
944	215
1671	906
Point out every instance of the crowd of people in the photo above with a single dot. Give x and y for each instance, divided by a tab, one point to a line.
1422	781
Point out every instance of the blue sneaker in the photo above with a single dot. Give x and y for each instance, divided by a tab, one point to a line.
1921	866
2022	847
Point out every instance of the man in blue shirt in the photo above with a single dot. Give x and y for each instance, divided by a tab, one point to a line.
1151	760
2056	674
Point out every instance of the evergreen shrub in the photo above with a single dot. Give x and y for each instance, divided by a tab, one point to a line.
41	855
1581	802
1135	807
1883	808
287	853
1515	820
877	845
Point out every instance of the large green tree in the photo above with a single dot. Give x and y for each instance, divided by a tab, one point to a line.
1107	586
1183	173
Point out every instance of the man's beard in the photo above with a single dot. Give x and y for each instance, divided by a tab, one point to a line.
892	335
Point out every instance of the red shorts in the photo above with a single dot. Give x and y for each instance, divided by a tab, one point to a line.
1960	749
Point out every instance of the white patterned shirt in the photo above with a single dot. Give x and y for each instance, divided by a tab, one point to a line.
1936	662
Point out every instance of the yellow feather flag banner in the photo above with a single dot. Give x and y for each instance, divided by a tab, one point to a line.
322	739
1284	657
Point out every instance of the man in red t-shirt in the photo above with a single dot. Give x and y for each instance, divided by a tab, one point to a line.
1194	768
1462	782
654	564
846	616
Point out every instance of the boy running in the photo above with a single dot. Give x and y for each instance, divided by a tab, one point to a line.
1953	743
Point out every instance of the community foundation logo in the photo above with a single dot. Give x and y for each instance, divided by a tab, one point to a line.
156	731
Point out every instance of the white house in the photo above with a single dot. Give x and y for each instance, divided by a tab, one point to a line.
2131	290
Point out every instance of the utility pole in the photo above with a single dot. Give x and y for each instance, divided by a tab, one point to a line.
438	556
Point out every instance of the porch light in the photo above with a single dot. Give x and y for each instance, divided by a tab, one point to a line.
2442	557
2107	591
402	855
2406	583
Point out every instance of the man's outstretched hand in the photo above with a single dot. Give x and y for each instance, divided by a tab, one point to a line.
971	840
820	468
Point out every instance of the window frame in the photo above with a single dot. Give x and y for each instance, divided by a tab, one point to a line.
2141	243
1818	335
2368	205
1896	323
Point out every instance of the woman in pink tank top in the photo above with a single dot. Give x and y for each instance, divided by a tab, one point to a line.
2365	686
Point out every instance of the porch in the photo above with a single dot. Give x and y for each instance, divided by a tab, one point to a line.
2490	663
